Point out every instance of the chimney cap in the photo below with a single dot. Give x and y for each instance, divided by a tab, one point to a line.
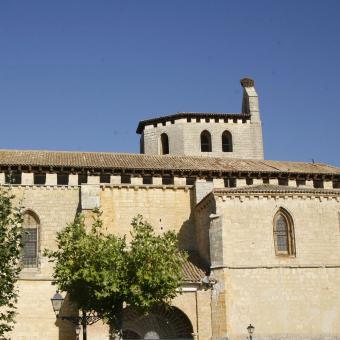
247	82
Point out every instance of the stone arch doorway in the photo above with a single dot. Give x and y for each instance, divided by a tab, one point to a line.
160	323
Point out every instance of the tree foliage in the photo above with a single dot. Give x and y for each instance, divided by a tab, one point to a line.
10	252
101	271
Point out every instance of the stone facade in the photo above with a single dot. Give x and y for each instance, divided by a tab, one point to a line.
223	210
286	296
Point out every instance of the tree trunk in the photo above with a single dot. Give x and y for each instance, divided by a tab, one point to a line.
116	324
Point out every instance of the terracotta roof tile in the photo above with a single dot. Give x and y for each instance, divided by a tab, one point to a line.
101	160
193	268
269	188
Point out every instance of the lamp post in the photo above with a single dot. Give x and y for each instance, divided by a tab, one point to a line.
250	330
83	320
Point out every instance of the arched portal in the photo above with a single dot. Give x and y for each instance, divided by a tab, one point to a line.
160	323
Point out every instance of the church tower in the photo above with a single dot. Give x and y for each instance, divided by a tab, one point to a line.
232	135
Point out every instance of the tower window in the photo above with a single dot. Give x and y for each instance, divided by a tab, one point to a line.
164	144
284	233
206	141
227	142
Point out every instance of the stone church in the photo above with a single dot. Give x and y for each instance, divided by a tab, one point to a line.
263	235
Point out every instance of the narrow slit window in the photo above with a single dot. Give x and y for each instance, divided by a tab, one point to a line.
164	144
206	141
227	142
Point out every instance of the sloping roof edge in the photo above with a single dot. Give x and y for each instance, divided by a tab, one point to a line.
106	160
180	115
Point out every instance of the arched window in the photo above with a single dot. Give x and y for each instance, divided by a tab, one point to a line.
227	142
30	239
164	144
206	141
284	233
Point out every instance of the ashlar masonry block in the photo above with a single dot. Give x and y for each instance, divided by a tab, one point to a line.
51	179
241	182
27	178
328	185
274	181
73	179
137	180
90	196
258	181
292	182
114	179
179	180
218	182
93	180
157	180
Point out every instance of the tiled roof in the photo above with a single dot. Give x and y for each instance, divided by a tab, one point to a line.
101	160
269	188
180	115
193	269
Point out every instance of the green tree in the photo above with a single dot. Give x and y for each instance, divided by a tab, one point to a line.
10	252
101	272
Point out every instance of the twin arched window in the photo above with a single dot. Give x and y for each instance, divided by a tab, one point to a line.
284	239
227	141
30	239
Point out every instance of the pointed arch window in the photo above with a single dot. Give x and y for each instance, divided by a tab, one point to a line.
284	239
164	144
30	239
206	141
227	142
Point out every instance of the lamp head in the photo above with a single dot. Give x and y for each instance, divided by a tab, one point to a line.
57	301
250	329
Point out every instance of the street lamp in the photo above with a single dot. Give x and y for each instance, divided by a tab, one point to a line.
250	330
57	301
84	320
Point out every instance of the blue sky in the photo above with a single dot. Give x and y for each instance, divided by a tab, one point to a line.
79	75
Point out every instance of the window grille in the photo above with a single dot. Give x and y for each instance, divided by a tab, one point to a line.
283	233
30	240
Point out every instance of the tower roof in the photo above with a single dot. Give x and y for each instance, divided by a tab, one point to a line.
193	115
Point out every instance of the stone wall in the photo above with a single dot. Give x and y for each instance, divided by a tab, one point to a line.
165	208
284	297
184	138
